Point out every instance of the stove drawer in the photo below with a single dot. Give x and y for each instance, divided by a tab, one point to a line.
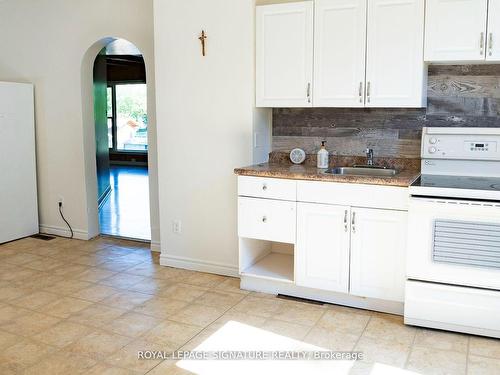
453	308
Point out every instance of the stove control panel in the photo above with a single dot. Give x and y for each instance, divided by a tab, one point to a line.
461	143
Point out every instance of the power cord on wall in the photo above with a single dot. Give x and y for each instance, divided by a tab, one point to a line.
62	216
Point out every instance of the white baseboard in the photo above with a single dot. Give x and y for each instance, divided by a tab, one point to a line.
64	232
155	246
198	265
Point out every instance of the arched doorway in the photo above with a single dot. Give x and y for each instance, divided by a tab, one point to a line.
121	131
119	136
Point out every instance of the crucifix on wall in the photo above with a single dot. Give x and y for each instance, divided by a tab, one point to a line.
202	40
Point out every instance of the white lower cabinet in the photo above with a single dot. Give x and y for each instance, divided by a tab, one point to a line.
378	243
322	250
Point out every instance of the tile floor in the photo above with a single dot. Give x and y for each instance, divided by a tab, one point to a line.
126	211
75	307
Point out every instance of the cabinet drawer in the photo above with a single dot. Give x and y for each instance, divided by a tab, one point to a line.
272	188
266	219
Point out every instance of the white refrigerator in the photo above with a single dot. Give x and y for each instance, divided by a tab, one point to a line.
18	190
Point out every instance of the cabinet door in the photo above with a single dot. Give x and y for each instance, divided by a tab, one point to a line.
394	61
378	253
455	30
284	55
339	53
493	40
322	250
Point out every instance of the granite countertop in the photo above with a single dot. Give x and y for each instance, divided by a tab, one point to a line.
279	166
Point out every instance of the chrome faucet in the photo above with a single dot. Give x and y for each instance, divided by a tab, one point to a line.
369	156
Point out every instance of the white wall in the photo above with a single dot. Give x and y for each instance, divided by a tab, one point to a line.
45	42
206	117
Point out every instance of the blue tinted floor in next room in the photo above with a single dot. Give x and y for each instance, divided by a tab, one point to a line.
126	211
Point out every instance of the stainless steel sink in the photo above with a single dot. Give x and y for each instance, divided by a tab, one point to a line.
362	171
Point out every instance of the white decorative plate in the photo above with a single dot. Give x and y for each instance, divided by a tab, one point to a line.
297	156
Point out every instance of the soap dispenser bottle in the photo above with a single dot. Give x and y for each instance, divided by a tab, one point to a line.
322	161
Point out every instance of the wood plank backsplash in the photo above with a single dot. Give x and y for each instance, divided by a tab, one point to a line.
458	95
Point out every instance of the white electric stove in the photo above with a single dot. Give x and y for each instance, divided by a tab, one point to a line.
453	268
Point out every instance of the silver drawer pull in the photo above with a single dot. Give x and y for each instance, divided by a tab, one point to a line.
345	220
490	44
264	219
481	50
264	187
360	92
353	222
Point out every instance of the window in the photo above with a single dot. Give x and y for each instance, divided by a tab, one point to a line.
127	117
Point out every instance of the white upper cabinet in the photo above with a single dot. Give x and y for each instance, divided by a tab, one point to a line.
322	250
493	40
378	248
394	61
284	53
456	29
339	53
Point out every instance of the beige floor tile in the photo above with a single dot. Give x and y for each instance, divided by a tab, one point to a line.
99	344
95	293
22	258
160	307
63	334
30	324
171	334
265	307
68	286
221	299
331	339
41	281
36	299
122	281
300	313
390	353
126	299
183	292
19	274
64	307
105	369
127	357
95	275
286	329
87	260
44	264
22	355
199	315
483	366
207	280
173	274
435	361
11	292
120	265
231	284
146	269
9	313
97	315
389	328
71	270
170	368
486	347
243	318
347	322
8	339
132	324
151	286
434	339
62	363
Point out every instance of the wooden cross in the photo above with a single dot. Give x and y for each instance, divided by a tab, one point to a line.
202	40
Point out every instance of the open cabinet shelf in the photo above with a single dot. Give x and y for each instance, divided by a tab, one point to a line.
274	266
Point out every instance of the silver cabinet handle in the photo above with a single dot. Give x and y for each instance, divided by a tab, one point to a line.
368	87
264	187
264	219
345	220
481	50
360	92
309	92
353	222
490	44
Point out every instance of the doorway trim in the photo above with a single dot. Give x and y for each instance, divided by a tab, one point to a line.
89	148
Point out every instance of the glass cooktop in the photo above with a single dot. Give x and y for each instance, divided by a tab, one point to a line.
458	182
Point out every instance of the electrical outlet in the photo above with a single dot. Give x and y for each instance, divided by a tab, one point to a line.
176	226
